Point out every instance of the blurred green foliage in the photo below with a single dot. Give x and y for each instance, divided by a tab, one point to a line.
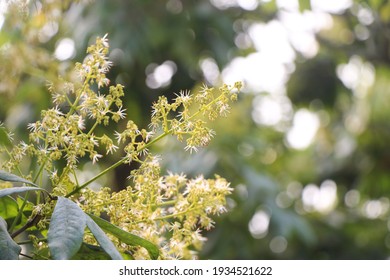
284	205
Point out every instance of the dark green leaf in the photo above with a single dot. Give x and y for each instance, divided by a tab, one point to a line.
5	176
28	206
66	229
9	191
103	240
9	250
127	237
8	207
22	218
91	252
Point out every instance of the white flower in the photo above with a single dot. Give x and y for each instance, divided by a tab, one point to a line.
53	174
111	149
191	148
221	209
149	135
23	145
105	40
105	67
95	158
94	141
80	123
184	97
57	111
33	127
119	137
121	113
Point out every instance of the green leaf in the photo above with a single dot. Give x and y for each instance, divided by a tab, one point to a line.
66	229
127	237
9	191
91	252
22	218
5	176
9	250
8	207
9	210
103	240
28	206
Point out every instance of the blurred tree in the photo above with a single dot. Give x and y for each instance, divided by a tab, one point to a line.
305	149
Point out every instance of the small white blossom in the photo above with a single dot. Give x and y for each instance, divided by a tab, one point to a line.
191	148
111	149
33	127
94	141
96	158
118	136
80	123
121	113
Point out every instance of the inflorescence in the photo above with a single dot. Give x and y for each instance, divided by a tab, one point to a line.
171	210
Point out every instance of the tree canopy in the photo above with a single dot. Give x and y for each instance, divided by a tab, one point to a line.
305	145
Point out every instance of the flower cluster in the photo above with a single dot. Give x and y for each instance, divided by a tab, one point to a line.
186	123
171	210
62	131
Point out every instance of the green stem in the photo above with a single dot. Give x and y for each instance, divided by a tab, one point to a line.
97	122
75	177
39	171
92	128
165	203
190	209
167	216
158	138
43	164
68	100
17	218
74	105
108	169
123	160
64	172
12	157
76	190
165	117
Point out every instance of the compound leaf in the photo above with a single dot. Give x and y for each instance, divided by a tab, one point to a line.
91	252
9	250
66	229
8	207
9	191
127	237
9	177
103	240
